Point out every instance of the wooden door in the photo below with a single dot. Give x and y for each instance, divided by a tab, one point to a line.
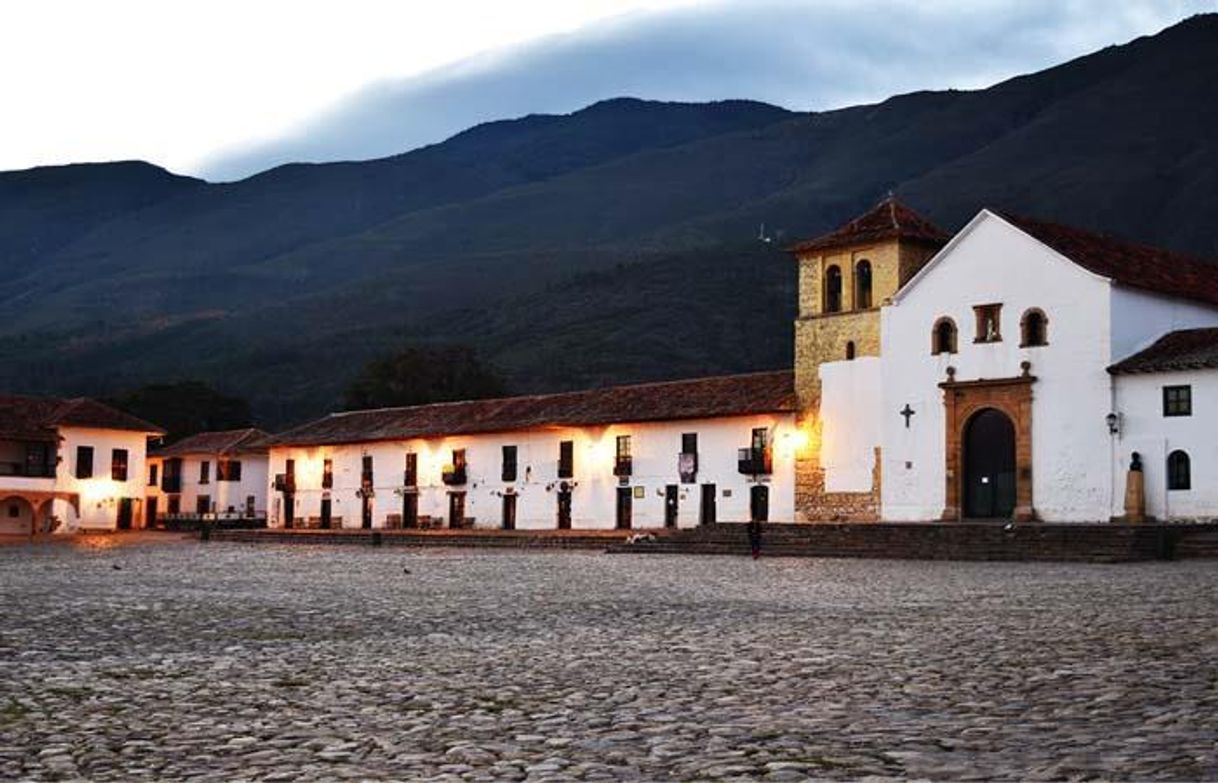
289	509
509	512
125	513
989	466
759	503
410	510
150	505
707	512
365	513
625	508
327	514
564	509
671	505
456	509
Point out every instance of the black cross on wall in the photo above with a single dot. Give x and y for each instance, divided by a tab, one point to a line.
908	413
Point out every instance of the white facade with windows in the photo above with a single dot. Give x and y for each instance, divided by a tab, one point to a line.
70	466
210	475
628	474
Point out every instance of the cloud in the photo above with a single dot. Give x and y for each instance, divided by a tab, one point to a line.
807	56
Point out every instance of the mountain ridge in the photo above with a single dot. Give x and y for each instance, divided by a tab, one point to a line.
486	237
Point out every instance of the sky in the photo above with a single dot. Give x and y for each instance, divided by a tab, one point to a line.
223	89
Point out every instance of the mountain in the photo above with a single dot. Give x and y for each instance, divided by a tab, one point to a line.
618	243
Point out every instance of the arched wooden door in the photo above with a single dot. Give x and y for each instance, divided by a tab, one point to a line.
989	465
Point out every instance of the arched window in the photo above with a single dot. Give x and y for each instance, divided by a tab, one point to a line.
943	338
862	285
850	349
1179	471
1034	328
833	290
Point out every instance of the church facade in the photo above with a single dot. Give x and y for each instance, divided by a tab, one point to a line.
998	379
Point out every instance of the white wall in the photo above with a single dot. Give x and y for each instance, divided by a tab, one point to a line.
992	262
851	412
221	494
99	495
654	449
1144	429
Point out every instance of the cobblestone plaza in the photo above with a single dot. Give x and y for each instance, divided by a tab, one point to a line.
181	660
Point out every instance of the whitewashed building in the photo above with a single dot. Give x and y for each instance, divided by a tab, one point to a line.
1166	397
991	395
70	465
644	456
221	474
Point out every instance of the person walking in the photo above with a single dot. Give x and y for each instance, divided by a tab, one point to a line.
754	529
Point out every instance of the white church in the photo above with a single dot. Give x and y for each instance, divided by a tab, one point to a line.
1009	372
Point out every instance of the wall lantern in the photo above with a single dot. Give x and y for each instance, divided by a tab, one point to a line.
1114	423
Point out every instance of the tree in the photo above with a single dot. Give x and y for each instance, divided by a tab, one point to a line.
185	408
423	374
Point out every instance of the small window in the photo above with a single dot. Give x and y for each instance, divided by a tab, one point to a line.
118	465
458	459
1033	329
509	463
204	472
84	462
203	504
761	438
862	285
366	469
152	471
566	459
943	338
1179	471
623	446
833	289
412	469
689	443
849	350
1177	400
228	470
327	474
989	323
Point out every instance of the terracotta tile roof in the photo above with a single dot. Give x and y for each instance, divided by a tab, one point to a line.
37	417
1187	349
728	395
244	441
890	219
1128	263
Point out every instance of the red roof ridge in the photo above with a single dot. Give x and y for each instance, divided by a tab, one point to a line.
889	219
552	395
1124	261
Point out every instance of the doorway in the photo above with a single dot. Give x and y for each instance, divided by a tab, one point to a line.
759	503
707	512
989	466
410	510
672	505
625	507
456	509
125	513
564	507
509	512
150	509
289	509
326	513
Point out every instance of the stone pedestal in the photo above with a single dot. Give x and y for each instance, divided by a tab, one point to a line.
1135	497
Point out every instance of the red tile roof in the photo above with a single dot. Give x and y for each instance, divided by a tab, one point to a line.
1187	349
890	219
37	417
1128	263
729	395
224	442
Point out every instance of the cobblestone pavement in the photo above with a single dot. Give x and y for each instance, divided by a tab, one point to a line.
170	661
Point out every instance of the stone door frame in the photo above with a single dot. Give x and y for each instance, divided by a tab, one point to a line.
963	399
